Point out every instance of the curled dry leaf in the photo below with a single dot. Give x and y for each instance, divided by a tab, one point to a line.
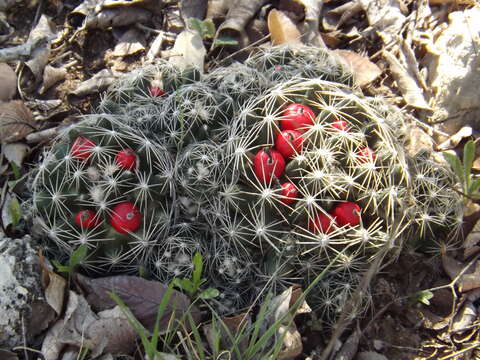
141	296
8	79
465	317
282	29
350	347
235	325
386	17
131	42
16	121
411	92
455	139
239	14
42	34
98	82
471	245
54	286
364	71
52	75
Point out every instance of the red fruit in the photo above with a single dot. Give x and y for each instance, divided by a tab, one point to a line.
125	217
322	223
366	155
289	143
341	125
290	193
126	159
297	117
82	148
267	164
347	213
86	219
155	91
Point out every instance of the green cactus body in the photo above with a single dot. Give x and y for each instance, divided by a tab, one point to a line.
209	178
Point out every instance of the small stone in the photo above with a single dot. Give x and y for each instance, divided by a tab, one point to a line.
20	292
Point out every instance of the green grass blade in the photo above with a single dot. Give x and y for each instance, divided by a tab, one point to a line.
468	158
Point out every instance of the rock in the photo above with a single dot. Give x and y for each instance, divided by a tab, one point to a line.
20	292
453	72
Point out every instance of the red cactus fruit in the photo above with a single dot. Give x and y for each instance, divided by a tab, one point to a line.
340	125
297	117
347	213
126	159
365	155
125	217
268	163
82	148
86	219
289	143
321	223
155	91
289	193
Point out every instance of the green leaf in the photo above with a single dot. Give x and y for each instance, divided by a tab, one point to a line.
197	25
60	268
468	158
456	165
78	256
474	187
197	269
209	293
225	41
209	29
424	297
184	284
16	170
15	211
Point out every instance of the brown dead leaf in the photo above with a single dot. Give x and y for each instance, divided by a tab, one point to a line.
141	296
465	317
455	139
282	29
235	325
471	245
471	279
15	152
16	121
54	286
350	347
98	82
109	332
364	71
52	75
8	79
451	266
131	42
410	90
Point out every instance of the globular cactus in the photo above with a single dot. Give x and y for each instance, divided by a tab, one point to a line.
273	170
105	185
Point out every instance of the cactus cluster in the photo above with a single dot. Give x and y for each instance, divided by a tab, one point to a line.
271	169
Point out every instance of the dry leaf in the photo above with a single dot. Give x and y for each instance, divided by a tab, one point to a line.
386	17
8	79
98	82
465	317
141	296
110	331
54	286
188	51
471	244
114	17
451	266
411	92
370	355
16	121
42	34
131	42
51	76
470	280
455	139
237	19
282	29
7	355
15	152
234	325
364	71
